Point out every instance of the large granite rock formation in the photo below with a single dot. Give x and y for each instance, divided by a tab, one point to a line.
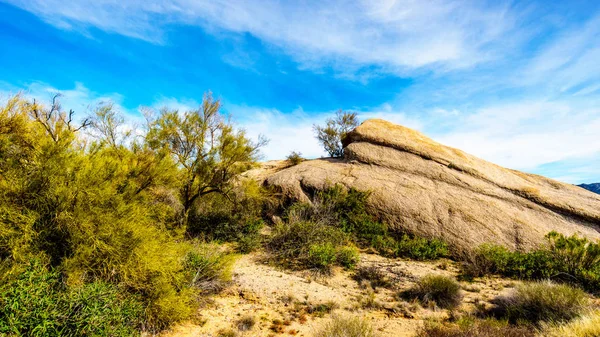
432	190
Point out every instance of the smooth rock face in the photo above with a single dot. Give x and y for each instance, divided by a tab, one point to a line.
432	190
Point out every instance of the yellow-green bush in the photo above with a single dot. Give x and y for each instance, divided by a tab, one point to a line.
106	215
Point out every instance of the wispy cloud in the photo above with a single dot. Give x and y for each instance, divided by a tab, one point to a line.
399	36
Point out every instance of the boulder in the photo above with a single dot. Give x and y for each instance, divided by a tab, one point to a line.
428	189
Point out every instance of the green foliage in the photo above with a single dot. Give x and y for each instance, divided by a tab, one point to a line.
309	244
235	218
335	130
567	259
294	158
106	214
34	302
347	256
209	268
441	290
341	215
541	302
209	150
321	256
420	248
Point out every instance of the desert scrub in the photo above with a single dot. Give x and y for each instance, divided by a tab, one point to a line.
308	244
346	327
347	210
441	290
564	259
209	267
376	277
588	325
537	302
236	217
474	328
294	158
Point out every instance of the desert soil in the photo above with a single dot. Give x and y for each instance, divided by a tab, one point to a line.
280	301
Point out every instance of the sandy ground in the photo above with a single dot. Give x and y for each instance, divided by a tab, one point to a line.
280	301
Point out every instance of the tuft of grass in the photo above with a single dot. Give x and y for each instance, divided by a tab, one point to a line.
376	277
246	323
226	333
538	302
347	327
441	290
485	328
587	325
319	310
209	267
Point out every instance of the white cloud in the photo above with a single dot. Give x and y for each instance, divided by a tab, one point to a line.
397	35
526	135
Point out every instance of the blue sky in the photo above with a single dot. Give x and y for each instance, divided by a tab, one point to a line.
516	83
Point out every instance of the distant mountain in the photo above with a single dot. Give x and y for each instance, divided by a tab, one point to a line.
595	187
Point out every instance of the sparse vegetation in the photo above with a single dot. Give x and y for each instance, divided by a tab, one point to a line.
246	323
587	325
294	158
335	130
537	302
475	328
440	290
566	259
376	277
347	327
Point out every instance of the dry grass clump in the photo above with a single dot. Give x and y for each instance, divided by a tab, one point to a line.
347	327
587	325
374	275
485	328
441	290
538	302
246	323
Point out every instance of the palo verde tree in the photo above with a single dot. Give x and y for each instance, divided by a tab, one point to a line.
331	135
210	151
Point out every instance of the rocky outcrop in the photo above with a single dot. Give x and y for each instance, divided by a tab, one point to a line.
432	190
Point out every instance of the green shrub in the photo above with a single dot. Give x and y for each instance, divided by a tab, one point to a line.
321	256
537	302
421	248
35	302
209	268
294	158
347	327
347	210
347	256
310	244
566	259
440	290
235	218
